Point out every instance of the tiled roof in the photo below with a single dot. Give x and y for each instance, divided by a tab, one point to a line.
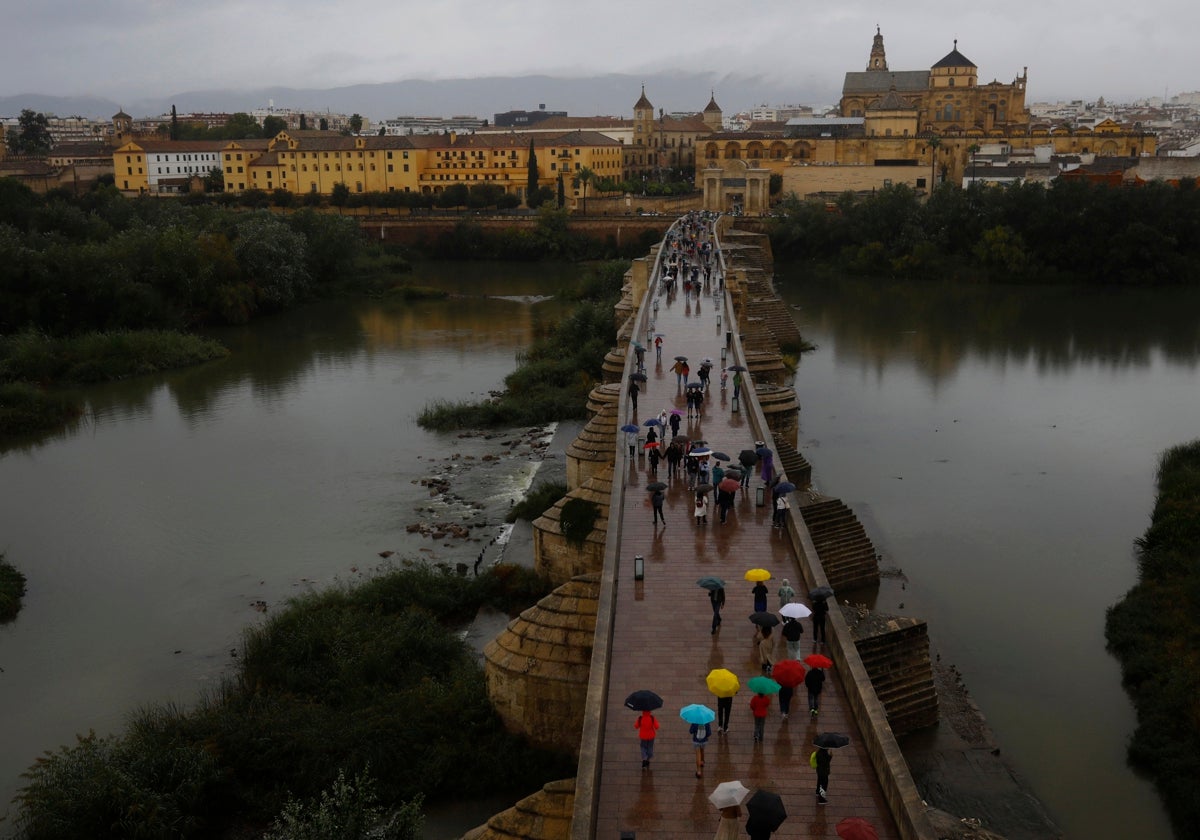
955	59
893	101
866	81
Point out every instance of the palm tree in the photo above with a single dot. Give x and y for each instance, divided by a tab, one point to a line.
583	177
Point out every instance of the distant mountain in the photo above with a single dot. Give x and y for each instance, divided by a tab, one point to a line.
612	94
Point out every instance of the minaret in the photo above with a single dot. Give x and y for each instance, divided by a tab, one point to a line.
713	118
878	56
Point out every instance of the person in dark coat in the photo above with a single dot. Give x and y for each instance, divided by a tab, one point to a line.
674	422
656	502
820	609
654	457
674	456
748	459
824	759
634	390
717	597
791	632
724	503
760	597
814	681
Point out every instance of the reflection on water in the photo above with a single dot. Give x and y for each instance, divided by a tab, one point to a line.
1000	446
148	529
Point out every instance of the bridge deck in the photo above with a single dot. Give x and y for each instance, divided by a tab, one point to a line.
662	638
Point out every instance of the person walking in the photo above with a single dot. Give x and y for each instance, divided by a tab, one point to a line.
766	651
766	460
656	502
728	828
654	457
724	710
814	681
823	759
700	733
658	348
820	608
760	597
685	370
701	509
693	467
785	700
737	384
647	727
634	390
759	704
785	593
718	473
717	597
677	369
791	632
631	440
674	456
640	353
674	422
748	459
724	503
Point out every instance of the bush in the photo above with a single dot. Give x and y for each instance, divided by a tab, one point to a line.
27	409
537	500
347	811
12	588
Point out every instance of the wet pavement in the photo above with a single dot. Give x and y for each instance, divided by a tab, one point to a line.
662	639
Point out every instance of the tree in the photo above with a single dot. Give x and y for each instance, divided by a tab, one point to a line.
272	125
214	181
583	177
356	123
340	195
323	124
303	122
531	180
174	133
562	191
32	136
241	126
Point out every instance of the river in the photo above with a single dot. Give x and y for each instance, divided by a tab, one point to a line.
999	446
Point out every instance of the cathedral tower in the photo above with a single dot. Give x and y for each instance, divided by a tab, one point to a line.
878	59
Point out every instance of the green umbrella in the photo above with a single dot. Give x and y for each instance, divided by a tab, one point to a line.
762	685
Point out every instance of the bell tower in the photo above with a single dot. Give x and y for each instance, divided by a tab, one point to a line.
878	60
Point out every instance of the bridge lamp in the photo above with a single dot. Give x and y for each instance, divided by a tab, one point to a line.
639	565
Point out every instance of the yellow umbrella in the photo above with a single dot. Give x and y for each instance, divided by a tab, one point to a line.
758	574
722	682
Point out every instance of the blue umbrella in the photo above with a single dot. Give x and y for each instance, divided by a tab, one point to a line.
629	427
697	713
784	487
653	421
700	452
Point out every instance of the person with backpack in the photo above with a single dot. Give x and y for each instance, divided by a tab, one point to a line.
700	733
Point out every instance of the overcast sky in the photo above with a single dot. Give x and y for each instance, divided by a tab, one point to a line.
133	49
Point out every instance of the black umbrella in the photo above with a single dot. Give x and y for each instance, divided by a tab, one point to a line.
820	593
831	740
766	811
733	472
738	368
701	489
748	457
695	385
764	619
720	456
638	377
681	358
656	485
643	700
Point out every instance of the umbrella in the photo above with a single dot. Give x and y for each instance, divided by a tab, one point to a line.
794	610
695	386
677	412
738	368
766	811
629	427
784	487
762	685
750	455
681	358
788	672
729	485
653	444
711	582
660	335
637	345
681	439
816	660
757	574
707	361
728	794
653	421
657	485
821	593
764	619
722	682
734	473
763	453
700	452
643	701
701	489
856	828
720	456
638	377
697	713
831	740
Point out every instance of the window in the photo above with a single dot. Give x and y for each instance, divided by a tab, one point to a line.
406	167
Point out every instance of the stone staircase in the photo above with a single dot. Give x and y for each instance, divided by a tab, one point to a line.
895	652
846	552
795	465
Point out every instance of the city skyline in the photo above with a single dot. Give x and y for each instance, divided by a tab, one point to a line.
142	49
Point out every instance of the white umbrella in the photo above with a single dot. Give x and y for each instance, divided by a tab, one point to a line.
729	794
794	610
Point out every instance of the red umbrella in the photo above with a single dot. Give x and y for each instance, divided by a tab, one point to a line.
856	828
651	445
788	672
816	660
729	485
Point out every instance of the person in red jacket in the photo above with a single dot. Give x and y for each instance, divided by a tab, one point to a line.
759	704
647	727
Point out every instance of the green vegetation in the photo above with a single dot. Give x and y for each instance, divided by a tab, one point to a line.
32	134
12	588
556	376
537	500
28	409
1154	633
31	357
578	519
1073	231
347	810
551	238
335	683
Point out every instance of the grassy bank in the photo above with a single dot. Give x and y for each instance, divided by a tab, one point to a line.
12	588
367	677
32	363
1154	633
558	371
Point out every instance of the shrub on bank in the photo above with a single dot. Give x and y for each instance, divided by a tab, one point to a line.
537	500
372	676
100	357
12	588
27	409
1154	634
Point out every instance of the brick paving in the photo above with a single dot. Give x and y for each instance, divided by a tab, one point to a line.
662	638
